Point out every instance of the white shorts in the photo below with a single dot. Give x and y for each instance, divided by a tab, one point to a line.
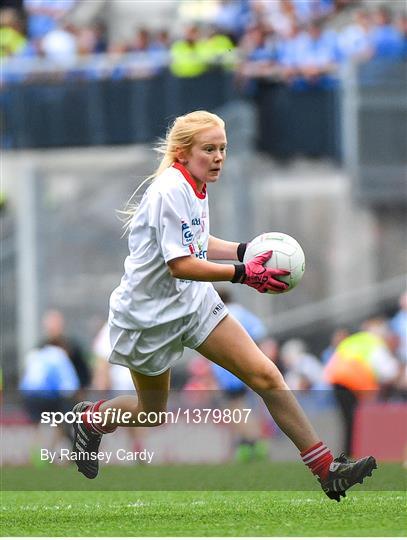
152	351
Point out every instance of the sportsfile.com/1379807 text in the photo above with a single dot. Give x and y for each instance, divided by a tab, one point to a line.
117	416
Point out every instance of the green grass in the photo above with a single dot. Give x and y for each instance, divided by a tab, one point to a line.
252	476
180	513
252	499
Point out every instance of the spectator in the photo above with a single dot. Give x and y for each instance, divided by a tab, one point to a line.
218	48
49	377
353	40
12	38
160	50
258	46
361	364
45	15
187	58
48	384
320	54
54	329
141	41
290	51
386	40
147	59
303	371
101	41
258	59
60	46
161	41
13	45
86	41
88	44
117	55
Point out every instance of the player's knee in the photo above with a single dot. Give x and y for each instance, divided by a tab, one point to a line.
269	378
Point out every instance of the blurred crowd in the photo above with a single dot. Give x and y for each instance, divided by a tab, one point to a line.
284	39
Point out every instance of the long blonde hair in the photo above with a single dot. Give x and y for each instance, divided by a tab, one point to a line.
180	135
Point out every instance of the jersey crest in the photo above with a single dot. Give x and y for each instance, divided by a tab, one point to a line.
187	236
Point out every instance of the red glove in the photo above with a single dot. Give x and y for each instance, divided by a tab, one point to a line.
256	275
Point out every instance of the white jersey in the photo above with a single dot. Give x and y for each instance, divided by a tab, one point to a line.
172	221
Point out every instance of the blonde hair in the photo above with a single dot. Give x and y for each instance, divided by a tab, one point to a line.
180	135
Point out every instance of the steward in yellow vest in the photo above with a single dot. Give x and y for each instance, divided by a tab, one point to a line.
352	363
187	56
12	39
219	50
360	364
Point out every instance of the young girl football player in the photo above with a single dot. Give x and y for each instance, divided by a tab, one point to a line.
166	301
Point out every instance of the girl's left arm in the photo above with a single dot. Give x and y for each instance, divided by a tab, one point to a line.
222	249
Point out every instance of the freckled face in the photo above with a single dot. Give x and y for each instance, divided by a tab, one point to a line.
207	155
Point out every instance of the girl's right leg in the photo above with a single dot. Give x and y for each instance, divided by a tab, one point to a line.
152	396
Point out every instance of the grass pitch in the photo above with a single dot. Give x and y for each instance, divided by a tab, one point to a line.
108	510
202	514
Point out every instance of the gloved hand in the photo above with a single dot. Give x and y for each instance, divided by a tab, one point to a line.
256	275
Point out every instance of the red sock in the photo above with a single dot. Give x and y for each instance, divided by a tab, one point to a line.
318	458
93	425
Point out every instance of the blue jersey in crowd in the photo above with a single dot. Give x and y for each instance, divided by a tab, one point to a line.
49	372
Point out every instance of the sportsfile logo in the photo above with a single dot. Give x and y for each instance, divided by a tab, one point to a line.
187	236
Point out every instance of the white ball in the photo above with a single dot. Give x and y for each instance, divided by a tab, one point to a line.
287	255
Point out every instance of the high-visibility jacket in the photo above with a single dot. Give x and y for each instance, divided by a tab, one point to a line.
219	49
351	365
11	41
187	59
